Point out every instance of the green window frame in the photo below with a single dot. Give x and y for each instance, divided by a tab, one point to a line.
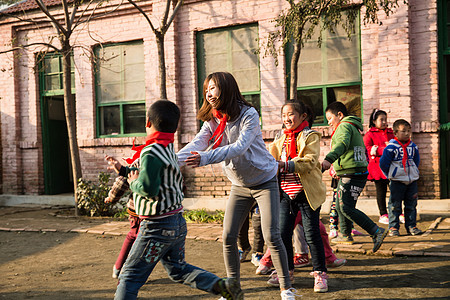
51	74
331	72
120	89
234	50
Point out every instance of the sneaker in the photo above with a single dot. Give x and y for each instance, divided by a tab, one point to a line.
402	218
393	232
337	263
243	254
342	239
263	270
301	260
320	281
274	281
230	289
116	272
384	219
256	257
378	238
333	233
414	231
289	294
356	232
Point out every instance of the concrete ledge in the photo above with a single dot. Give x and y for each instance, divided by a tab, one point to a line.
25	200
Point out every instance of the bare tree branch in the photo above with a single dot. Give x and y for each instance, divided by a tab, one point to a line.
143	13
29	45
166	14
174	13
59	28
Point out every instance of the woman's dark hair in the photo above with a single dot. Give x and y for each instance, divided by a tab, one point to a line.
301	108
230	98
336	107
374	116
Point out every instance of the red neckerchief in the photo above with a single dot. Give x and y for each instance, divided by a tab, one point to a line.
162	138
291	134
218	133
405	152
340	124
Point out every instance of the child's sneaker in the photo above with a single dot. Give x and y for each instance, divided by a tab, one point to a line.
378	238
356	232
384	219
116	272
402	218
342	239
393	232
337	263
274	281
256	257
243	254
289	294
320	281
230	289
301	260
263	270
414	231
333	233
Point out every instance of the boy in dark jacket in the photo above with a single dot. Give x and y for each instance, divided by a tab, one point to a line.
348	157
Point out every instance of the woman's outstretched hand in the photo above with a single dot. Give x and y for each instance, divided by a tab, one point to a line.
193	160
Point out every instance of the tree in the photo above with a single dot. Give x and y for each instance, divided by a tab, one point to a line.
74	14
297	24
160	34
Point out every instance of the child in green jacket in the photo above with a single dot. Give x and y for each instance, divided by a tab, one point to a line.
349	160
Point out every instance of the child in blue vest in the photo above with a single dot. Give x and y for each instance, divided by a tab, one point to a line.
400	164
157	188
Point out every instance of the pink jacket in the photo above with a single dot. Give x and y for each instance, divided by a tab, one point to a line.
379	138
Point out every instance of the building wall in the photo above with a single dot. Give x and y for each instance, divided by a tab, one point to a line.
399	71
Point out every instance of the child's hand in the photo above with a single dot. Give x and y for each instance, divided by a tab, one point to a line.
193	160
108	200
133	175
325	165
114	164
281	166
373	150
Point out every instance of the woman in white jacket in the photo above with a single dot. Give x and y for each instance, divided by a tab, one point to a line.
231	134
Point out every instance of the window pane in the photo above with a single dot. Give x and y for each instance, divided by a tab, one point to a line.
134	91
134	118
109	93
255	101
51	65
109	120
314	99
349	95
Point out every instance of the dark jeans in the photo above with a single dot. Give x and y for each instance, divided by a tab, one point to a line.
161	240
349	189
381	188
408	194
310	218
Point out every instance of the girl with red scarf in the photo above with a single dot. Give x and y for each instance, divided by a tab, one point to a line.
302	189
375	140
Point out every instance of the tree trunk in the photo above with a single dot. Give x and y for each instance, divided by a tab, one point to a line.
294	70
70	111
162	65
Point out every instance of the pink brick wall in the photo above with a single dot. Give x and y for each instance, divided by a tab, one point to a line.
399	71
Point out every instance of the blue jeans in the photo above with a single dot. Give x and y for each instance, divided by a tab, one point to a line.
310	220
161	239
408	194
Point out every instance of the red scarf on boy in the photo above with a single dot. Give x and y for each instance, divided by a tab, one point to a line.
218	133
405	152
291	134
162	138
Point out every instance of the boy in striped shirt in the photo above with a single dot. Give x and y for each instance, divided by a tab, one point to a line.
157	195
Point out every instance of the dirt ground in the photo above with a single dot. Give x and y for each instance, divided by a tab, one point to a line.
58	265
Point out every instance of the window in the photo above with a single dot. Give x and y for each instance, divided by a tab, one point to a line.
120	89
330	73
233	50
52	74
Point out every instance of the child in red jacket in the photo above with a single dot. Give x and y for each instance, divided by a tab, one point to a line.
375	140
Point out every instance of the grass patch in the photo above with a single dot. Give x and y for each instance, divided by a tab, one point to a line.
203	216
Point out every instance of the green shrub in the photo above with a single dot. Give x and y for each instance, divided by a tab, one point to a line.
202	216
91	198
